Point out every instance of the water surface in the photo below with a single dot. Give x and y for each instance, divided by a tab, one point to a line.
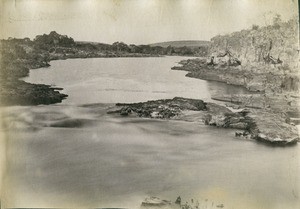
112	80
69	155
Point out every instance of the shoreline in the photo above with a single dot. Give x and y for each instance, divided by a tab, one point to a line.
250	125
14	91
274	110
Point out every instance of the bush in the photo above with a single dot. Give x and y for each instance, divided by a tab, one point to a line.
255	27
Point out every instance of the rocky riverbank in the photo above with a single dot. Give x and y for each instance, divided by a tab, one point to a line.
246	58
19	92
273	112
256	78
257	124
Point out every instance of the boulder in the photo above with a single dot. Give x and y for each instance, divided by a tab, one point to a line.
155	202
165	108
277	139
272	128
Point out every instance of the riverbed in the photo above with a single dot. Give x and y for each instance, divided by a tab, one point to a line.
75	155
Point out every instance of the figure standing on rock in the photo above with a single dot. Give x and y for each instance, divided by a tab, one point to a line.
211	61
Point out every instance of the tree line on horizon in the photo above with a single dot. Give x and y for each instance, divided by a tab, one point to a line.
54	42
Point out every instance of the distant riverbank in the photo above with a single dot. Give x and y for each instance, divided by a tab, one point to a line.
18	56
16	92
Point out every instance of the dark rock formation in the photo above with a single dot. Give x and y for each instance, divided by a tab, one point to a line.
19	92
259	124
166	108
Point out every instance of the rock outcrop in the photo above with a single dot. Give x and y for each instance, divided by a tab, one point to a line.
261	125
258	78
164	109
22	93
155	202
274	44
272	128
263	60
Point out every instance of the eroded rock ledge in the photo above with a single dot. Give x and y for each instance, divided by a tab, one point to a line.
258	124
257	77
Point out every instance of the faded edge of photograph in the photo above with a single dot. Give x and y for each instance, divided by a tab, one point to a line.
145	104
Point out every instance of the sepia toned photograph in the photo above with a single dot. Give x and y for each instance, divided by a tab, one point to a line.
149	104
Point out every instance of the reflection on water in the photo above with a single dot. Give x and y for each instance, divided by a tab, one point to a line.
78	156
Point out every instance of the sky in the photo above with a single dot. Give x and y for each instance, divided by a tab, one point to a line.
137	21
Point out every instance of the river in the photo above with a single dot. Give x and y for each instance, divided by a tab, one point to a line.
112	80
75	155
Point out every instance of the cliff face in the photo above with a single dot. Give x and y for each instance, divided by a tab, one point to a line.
268	56
261	45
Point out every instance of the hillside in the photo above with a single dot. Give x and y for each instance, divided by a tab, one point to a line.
187	43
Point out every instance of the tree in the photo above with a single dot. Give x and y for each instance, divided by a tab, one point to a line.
120	46
255	27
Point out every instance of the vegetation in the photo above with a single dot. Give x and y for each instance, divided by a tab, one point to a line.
119	48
